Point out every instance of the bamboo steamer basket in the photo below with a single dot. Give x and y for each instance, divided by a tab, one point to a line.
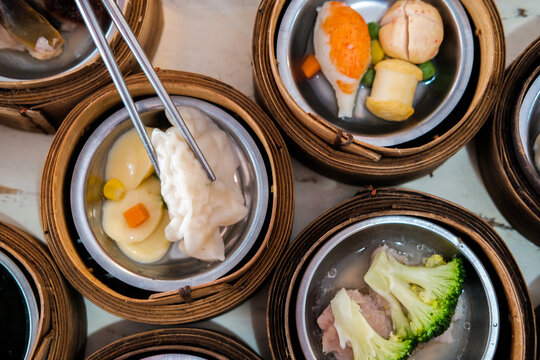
516	324
190	303
62	319
40	105
335	153
513	190
193	341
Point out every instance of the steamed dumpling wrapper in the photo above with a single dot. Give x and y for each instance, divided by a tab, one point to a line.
198	207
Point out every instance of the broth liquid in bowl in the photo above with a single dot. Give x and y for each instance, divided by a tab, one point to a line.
348	272
14	332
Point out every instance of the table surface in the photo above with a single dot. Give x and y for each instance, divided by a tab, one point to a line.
200	37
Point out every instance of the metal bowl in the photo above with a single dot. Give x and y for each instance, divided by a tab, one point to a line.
528	129
433	102
18	308
175	270
79	50
344	258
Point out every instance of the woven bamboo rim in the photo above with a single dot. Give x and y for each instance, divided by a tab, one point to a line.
204	343
517	198
517	324
62	319
332	152
187	304
41	105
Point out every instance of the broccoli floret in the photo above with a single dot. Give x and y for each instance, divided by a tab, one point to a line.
426	296
366	343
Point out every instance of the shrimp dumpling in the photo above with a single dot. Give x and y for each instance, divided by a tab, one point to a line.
342	47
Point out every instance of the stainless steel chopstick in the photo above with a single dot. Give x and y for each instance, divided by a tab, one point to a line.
108	58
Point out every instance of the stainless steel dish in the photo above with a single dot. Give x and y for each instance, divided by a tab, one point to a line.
528	130
11	306
433	101
79	50
175	270
344	258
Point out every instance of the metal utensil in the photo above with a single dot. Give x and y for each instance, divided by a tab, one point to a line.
101	43
174	270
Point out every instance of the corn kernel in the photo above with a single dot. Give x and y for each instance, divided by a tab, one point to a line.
114	189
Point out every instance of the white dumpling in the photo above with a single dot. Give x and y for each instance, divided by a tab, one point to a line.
151	249
114	223
198	207
128	160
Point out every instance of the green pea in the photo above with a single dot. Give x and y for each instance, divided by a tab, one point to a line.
373	28
368	77
428	70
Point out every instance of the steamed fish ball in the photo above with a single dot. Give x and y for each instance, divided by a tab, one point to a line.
342	47
151	249
116	226
411	30
128	160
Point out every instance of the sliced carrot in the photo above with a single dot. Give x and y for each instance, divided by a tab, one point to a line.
310	66
136	215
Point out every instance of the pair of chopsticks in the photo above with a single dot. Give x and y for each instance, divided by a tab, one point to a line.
103	47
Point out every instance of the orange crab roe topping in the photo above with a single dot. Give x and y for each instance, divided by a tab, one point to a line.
349	42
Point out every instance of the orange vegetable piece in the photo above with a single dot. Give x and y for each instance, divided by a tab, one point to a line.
310	66
136	215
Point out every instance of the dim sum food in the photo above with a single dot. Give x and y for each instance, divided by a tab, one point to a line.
197	207
64	14
24	29
402	305
144	214
393	89
411	30
342	47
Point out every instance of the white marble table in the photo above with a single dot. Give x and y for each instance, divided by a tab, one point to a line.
203	37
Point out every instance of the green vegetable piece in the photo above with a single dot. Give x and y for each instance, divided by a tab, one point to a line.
368	77
428	294
377	53
428	70
373	28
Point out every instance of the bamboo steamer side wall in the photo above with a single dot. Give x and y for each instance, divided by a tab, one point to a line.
62	319
517	338
166	308
206	343
330	151
41	105
515	189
